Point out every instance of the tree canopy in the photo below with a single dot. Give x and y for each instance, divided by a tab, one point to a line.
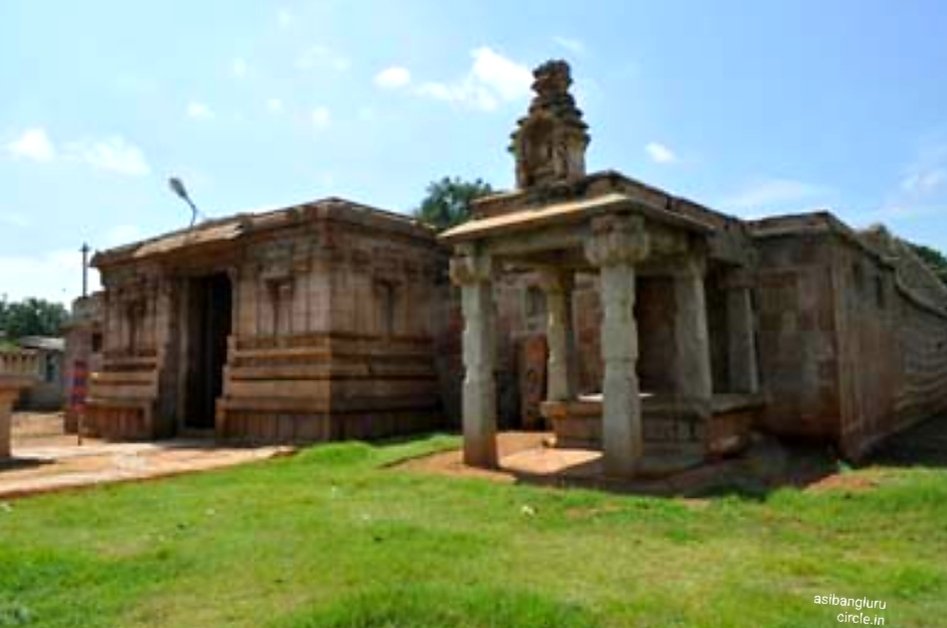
933	258
31	317
448	201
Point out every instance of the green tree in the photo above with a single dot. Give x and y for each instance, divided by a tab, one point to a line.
933	258
448	201
31	317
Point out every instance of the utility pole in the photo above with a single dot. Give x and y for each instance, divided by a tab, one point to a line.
85	269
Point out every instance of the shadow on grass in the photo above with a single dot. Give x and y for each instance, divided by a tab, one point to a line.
768	465
752	475
923	445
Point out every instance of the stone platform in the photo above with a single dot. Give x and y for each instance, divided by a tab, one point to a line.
673	430
46	460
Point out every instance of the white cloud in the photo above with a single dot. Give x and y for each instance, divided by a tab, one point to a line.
574	46
659	153
285	18
320	118
113	154
199	111
239	68
924	182
53	275
765	194
491	80
274	105
320	56
393	77
33	144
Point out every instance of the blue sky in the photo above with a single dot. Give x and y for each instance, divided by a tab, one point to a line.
749	107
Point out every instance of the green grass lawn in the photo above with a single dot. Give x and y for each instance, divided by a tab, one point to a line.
333	537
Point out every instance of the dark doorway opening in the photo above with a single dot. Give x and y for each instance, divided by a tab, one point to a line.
209	318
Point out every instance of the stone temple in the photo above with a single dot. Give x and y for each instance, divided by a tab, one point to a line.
613	313
313	322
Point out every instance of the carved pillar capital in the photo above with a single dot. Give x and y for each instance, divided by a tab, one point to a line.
470	267
617	239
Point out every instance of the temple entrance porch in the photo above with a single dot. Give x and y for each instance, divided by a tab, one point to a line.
656	411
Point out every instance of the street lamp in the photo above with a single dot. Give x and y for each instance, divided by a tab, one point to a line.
178	188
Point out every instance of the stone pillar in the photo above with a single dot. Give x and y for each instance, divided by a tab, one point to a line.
10	387
743	373
561	371
473	272
615	245
692	371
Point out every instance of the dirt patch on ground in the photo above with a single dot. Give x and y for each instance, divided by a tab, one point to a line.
45	459
451	462
852	482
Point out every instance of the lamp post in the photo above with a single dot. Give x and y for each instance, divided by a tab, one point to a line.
177	186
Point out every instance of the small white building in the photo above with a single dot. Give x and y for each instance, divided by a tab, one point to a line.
47	393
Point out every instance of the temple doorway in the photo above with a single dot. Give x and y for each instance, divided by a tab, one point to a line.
209	307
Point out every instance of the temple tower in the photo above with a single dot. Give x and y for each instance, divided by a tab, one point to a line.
549	143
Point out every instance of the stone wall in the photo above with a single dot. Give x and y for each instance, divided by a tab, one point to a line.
851	350
138	307
797	345
895	344
922	390
336	339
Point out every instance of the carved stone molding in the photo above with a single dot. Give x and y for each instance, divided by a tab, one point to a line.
617	239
